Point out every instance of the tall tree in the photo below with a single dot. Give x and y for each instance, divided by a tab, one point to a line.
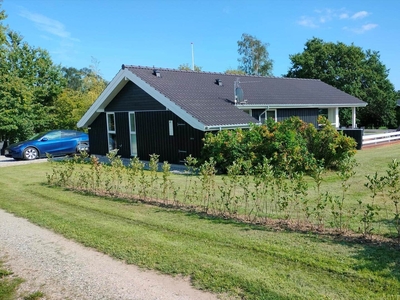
255	57
29	85
354	71
83	88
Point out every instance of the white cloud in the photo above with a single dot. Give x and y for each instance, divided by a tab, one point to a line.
48	25
322	17
367	27
362	29
307	22
360	15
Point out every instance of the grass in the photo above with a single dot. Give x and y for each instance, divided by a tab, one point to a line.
254	198
222	256
8	284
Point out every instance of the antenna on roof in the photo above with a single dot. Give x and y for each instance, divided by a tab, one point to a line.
192	57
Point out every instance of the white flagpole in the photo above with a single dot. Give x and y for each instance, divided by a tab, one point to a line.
192	57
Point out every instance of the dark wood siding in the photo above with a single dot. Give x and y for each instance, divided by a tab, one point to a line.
122	134
308	115
152	131
98	135
255	113
133	98
356	134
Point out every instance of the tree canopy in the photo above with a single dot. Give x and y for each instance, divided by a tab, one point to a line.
234	72
255	57
37	95
82	89
29	85
354	71
186	67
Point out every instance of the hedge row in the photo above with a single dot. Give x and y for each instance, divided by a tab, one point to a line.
291	144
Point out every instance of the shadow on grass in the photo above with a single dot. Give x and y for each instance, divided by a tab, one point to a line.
375	255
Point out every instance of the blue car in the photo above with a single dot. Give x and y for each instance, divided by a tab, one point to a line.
55	143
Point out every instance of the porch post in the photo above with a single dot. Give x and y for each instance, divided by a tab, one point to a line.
353	125
337	117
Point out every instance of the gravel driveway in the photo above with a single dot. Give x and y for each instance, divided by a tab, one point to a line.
63	269
8	162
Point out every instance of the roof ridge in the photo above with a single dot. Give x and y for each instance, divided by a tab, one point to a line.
213	72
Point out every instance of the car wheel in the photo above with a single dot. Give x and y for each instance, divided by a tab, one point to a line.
31	153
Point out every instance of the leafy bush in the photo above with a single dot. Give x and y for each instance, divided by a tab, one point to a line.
329	145
290	146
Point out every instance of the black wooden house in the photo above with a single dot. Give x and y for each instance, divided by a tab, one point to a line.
145	110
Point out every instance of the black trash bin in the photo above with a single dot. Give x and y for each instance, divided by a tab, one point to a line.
3	145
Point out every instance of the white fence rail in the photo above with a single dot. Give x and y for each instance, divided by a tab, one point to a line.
386	137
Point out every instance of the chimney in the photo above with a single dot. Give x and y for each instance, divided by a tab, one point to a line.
156	73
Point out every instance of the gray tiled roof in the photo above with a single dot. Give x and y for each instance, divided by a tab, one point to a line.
198	94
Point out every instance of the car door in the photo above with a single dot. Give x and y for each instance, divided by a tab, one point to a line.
68	142
49	143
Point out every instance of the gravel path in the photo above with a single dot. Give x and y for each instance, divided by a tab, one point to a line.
63	269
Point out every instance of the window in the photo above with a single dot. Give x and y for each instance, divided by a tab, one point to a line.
68	134
112	137
323	112
271	114
54	135
111	122
132	131
266	115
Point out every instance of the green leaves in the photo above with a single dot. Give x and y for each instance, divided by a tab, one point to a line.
255	58
354	71
291	146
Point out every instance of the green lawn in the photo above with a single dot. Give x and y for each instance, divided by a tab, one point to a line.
222	256
8	284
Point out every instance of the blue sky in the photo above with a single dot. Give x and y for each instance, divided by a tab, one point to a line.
160	32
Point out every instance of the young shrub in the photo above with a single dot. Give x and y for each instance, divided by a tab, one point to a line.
166	184
190	192
207	178
229	190
393	183
134	169
153	168
375	184
346	171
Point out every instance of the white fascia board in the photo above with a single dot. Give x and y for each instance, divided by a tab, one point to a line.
103	100
231	126
275	106
165	101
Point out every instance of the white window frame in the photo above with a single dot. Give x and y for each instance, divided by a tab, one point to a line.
133	149
111	132
265	113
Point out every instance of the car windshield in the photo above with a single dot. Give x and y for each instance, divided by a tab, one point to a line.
37	136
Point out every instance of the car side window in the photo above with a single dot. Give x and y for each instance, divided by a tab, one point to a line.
53	135
68	134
